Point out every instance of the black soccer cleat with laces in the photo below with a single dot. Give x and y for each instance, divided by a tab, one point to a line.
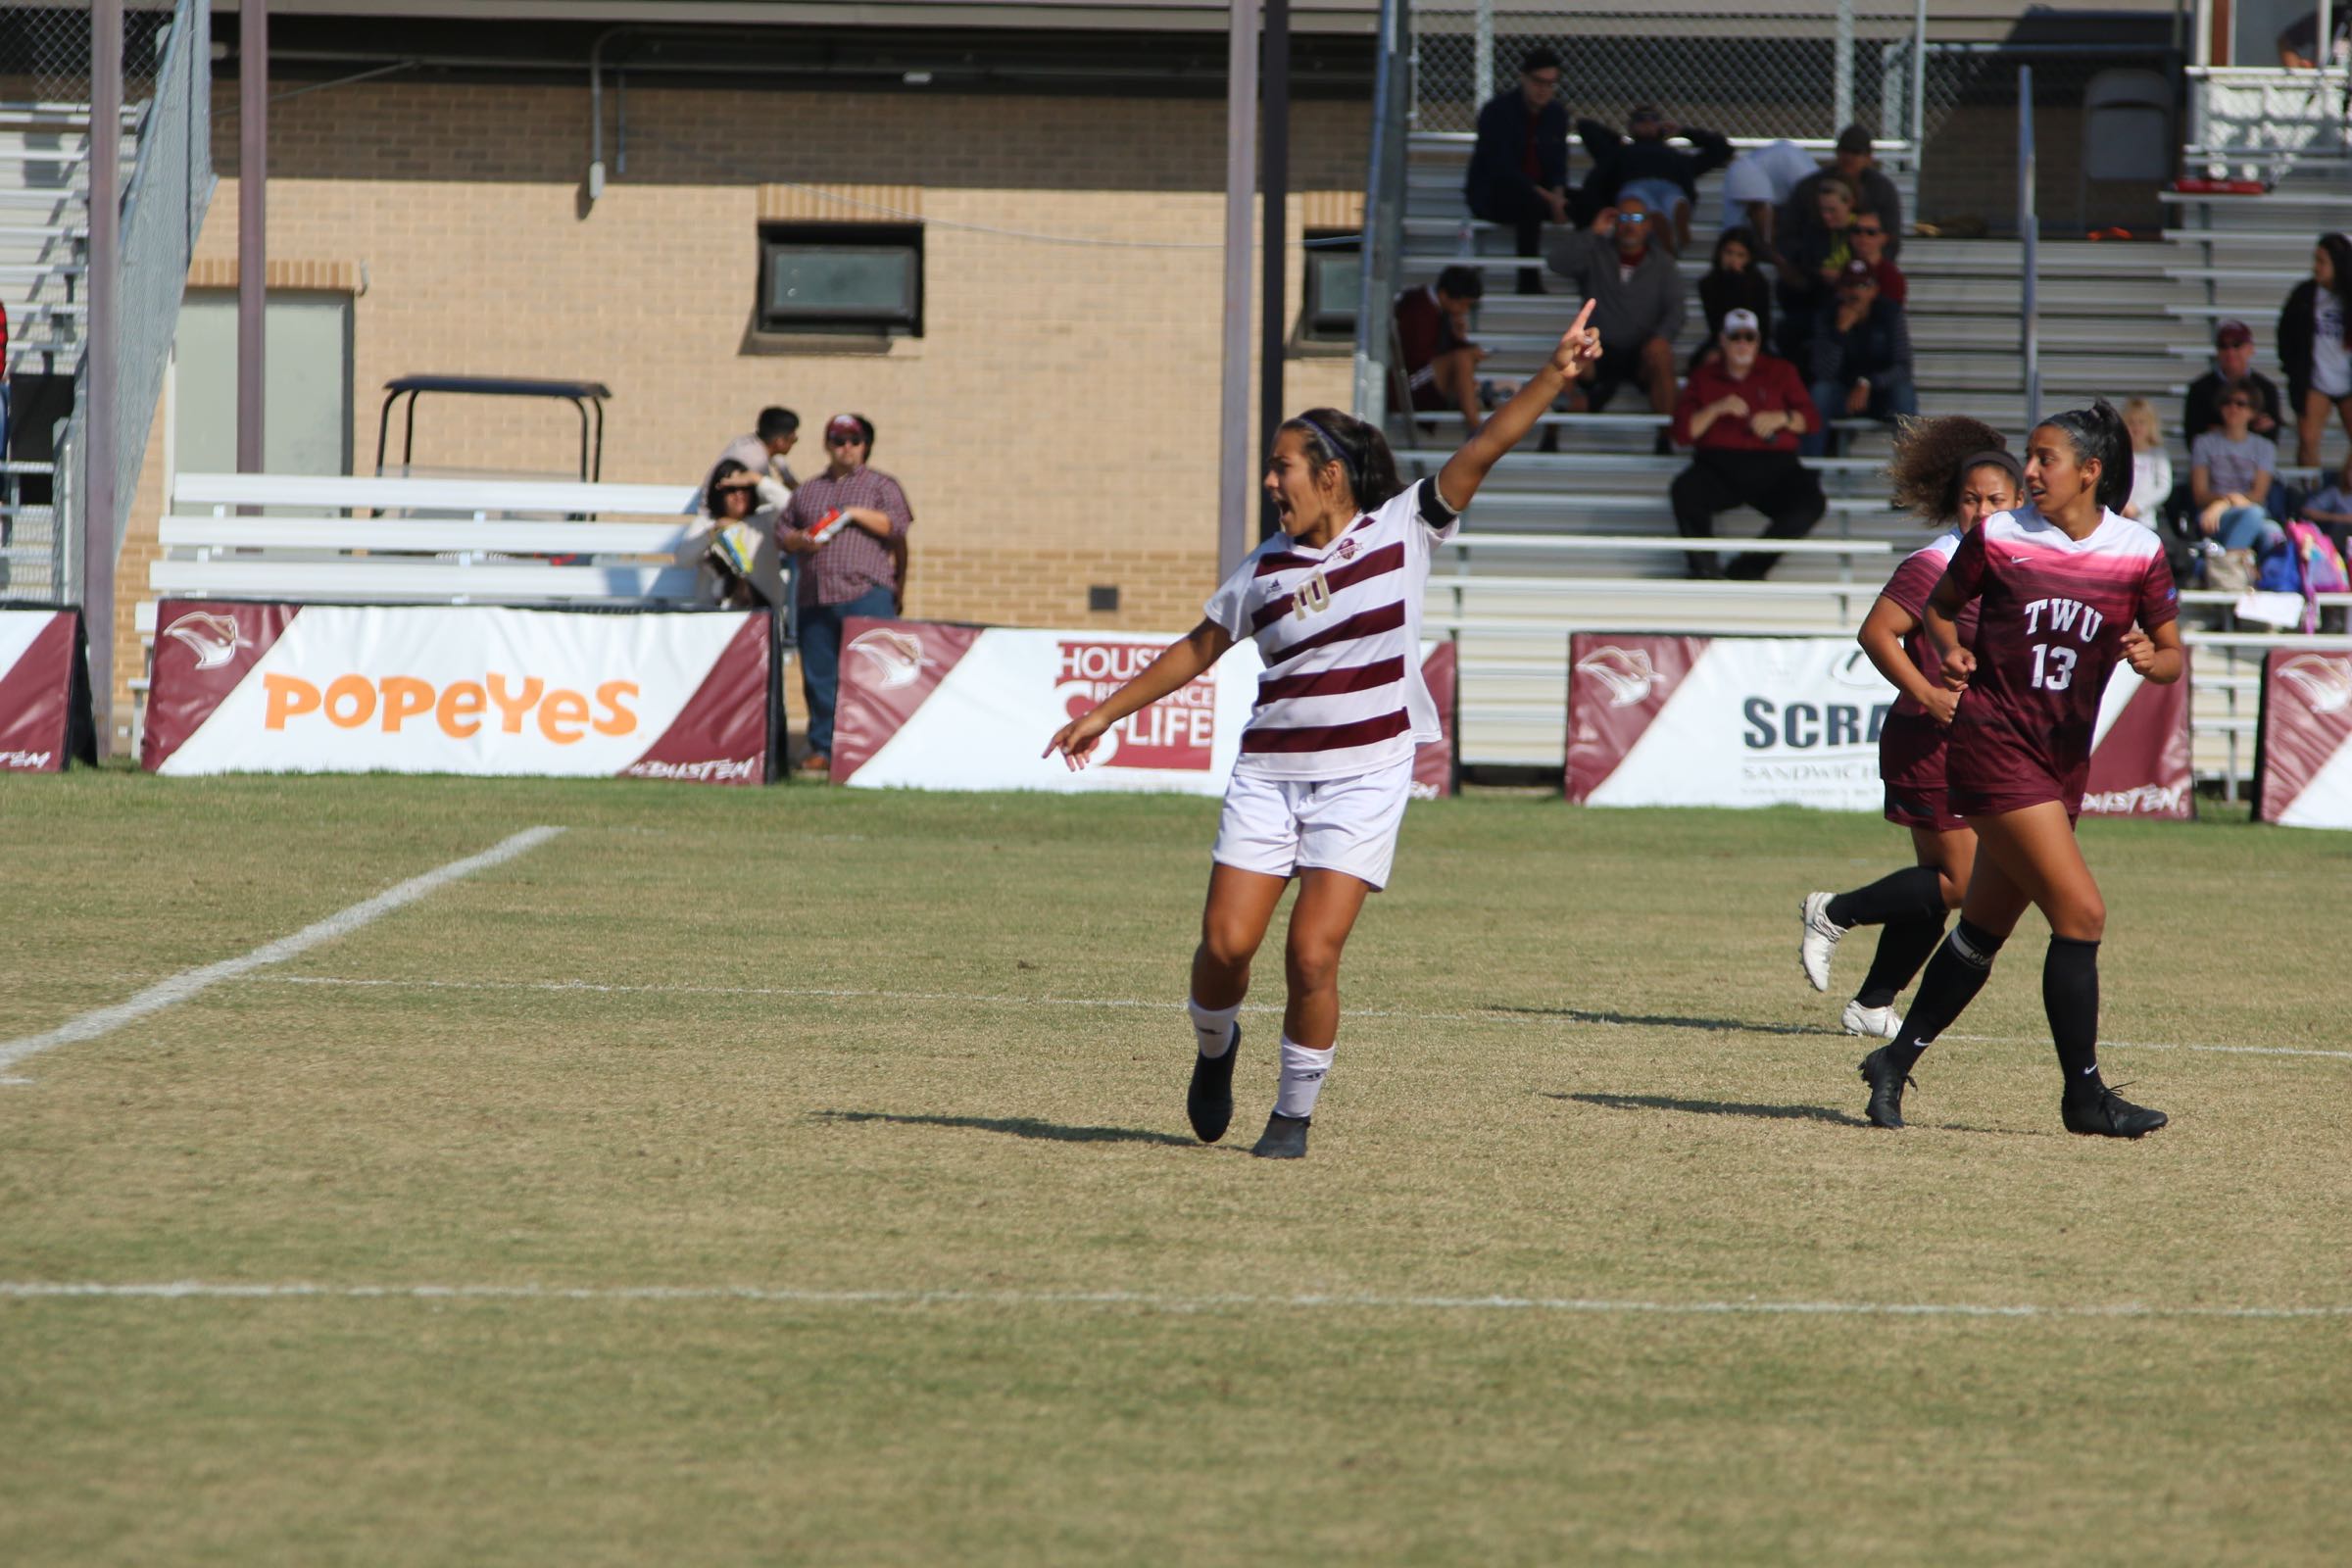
1208	1103
1285	1137
1887	1080
2108	1114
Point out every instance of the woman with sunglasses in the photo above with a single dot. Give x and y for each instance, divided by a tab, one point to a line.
2057	587
1869	237
1333	601
844	528
1950	472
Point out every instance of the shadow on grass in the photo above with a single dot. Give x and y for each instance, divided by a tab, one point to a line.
1722	1026
1716	1108
1732	1108
1020	1127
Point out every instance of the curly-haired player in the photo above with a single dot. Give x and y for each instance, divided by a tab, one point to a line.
1333	605
2057	586
1954	473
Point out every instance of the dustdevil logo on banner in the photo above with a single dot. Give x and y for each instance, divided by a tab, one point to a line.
458	690
1177	732
1617	688
2304	774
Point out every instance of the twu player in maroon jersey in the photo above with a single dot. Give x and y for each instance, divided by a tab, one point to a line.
1952	471
2058	586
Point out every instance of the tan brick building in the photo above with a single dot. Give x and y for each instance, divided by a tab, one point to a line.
1055	422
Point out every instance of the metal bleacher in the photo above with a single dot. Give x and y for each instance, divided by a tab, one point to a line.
44	240
1583	538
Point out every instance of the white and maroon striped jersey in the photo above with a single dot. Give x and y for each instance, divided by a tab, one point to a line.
1340	630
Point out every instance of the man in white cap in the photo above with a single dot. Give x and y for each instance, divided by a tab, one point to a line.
1743	414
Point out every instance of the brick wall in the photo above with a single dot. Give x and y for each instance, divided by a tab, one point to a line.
1055	427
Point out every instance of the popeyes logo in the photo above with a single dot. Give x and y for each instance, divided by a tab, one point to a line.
459	709
1179	731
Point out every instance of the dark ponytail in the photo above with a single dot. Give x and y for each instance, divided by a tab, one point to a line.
1359	448
2098	433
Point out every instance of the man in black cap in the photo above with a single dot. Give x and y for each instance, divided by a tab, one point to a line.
1857	164
1519	168
1641	164
2233	365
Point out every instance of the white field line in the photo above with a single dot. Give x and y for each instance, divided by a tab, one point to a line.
201	1290
853	994
188	982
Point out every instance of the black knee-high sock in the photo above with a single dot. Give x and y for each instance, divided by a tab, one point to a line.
2070	995
1903	946
1914	890
1954	977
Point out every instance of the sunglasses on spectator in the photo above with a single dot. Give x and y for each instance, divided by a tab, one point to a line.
1632	218
845	440
1872	229
1739	337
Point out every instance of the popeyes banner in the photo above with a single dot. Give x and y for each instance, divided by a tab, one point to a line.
929	706
1796	720
458	689
38	649
2303	767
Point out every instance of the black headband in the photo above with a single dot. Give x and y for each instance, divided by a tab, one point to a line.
1338	452
1994	458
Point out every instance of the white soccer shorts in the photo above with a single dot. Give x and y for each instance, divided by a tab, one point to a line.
1283	826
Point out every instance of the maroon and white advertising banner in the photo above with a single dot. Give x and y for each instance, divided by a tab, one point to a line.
458	689
1655	721
929	706
2305	778
36	688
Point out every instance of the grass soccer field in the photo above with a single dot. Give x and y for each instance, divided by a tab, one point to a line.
801	1176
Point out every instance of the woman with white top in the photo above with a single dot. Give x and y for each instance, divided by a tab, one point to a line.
1333	601
2151	464
2315	346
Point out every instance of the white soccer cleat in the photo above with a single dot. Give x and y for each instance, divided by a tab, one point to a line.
1879	1023
1821	935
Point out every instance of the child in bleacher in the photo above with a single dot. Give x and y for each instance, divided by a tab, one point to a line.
2151	464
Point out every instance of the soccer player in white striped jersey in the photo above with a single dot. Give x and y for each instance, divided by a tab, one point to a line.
1326	766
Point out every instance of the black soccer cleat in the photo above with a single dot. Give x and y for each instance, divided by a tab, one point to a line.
1886	1081
2108	1114
1208	1103
1285	1137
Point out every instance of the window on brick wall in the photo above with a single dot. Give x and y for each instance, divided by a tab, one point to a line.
841	278
1335	271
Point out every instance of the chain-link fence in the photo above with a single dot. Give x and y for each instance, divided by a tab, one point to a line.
1801	72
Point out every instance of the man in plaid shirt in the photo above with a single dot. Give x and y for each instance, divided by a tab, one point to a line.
846	526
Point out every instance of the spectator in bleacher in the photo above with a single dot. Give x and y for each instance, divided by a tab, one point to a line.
1433	342
2151	464
1736	281
2315	346
2233	365
763	452
1812	264
1861	363
1638	300
2231	473
1758	181
2299	39
854	569
1857	165
1519	169
2331	508
1742	415
740	567
1869	237
1641	164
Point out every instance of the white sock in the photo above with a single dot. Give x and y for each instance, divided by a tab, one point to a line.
1302	1075
1214	1026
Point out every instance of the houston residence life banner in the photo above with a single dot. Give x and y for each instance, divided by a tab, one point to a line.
458	689
930	706
1655	721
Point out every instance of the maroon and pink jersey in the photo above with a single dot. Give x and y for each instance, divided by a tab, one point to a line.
1339	631
2052	614
1910	743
